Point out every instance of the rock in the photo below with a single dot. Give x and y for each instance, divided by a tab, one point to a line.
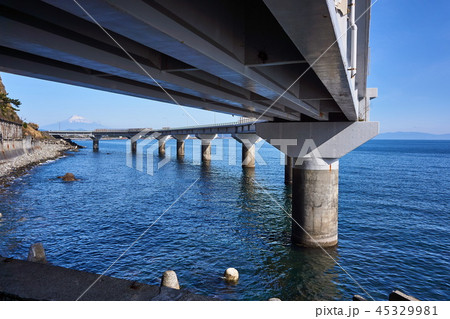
170	280
274	299
36	253
358	298
68	177
231	275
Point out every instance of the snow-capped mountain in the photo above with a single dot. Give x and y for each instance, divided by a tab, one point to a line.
74	123
78	119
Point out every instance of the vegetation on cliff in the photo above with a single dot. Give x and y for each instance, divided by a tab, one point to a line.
32	129
8	108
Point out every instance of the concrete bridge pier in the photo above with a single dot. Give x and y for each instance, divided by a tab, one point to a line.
96	143
133	145
315	202
162	144
180	144
288	170
248	142
315	148
206	140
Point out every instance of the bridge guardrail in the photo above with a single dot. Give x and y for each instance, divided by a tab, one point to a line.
241	122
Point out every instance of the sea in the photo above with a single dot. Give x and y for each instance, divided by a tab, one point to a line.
199	219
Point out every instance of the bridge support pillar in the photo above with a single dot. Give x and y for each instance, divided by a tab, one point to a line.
96	143
288	170
315	202
180	144
133	146
162	144
206	140
248	142
316	148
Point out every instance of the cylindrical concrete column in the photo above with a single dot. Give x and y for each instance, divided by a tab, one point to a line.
180	144
248	155
180	148
206	150
206	140
162	144
315	202
95	144
133	147
288	170
162	147
248	141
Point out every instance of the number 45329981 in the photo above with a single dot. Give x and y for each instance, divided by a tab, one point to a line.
407	310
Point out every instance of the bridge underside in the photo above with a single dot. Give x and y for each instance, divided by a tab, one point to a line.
235	57
303	62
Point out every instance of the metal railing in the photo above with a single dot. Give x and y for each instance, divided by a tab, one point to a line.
240	122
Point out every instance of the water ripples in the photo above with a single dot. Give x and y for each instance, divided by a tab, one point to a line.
393	222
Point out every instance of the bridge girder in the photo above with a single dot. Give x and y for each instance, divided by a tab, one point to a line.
232	57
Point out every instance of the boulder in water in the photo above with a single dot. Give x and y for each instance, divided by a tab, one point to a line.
68	177
169	279
36	253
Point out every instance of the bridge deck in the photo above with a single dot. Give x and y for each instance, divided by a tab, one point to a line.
222	128
236	57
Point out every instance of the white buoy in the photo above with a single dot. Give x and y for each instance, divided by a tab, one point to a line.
170	280
36	253
231	275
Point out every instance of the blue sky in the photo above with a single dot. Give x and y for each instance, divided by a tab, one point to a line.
410	65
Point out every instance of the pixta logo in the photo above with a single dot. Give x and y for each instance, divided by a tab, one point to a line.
144	148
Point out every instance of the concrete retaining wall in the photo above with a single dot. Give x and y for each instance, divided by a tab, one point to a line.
10	130
10	149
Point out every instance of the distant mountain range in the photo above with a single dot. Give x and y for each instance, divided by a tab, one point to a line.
74	123
411	136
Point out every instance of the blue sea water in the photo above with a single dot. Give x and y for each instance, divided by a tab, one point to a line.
394	221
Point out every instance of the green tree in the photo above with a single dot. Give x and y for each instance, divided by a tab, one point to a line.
6	103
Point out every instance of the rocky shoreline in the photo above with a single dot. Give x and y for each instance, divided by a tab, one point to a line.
42	152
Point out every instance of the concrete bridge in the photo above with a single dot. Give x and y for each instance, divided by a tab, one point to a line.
243	131
298	66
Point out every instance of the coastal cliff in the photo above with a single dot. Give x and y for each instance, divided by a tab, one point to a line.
22	144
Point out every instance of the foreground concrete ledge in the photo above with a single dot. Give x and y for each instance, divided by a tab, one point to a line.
24	280
398	295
